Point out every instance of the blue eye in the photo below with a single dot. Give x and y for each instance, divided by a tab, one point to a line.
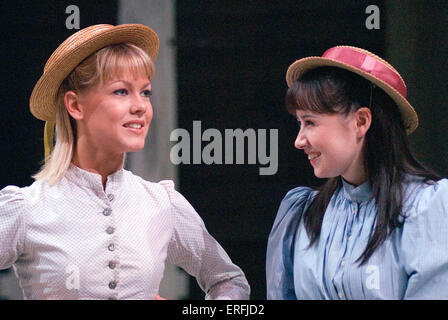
147	93
120	92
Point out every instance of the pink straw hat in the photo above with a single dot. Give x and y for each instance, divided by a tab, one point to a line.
367	65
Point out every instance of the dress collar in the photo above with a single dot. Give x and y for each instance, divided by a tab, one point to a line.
356	193
92	180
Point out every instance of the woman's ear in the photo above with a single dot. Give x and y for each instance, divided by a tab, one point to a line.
363	121
73	106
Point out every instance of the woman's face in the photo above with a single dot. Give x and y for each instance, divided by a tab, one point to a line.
116	115
332	144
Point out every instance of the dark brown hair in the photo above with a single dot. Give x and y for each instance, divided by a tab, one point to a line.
387	154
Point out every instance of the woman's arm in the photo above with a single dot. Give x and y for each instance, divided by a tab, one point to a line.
198	253
424	244
12	225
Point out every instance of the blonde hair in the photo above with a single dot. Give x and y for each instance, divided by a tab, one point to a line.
95	70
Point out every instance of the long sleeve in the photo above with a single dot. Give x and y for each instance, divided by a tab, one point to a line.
424	244
279	255
12	225
198	253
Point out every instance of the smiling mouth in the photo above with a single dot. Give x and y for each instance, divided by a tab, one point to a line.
133	125
313	155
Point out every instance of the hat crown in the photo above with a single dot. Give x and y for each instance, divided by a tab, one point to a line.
368	62
75	40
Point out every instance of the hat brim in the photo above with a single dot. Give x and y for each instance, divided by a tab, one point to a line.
74	50
300	67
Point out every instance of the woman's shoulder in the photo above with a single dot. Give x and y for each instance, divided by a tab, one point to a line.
291	208
18	197
161	189
161	186
296	198
165	192
14	205
421	196
11	195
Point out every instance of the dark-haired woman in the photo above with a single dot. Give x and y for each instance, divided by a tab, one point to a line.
378	228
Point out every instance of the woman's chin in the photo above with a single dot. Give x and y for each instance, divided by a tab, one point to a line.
135	148
319	175
324	175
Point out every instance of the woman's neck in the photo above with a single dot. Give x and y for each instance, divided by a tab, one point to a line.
103	165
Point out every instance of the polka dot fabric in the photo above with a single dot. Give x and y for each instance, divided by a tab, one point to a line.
76	240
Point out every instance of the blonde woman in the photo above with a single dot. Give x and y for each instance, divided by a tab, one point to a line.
87	228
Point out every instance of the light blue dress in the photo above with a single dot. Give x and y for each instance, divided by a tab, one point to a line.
411	264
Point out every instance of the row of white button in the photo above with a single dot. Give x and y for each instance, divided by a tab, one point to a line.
111	247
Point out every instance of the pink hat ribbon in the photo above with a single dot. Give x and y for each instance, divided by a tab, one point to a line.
368	64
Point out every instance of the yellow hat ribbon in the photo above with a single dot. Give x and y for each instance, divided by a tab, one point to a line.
48	138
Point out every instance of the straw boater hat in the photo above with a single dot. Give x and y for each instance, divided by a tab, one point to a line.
368	66
71	53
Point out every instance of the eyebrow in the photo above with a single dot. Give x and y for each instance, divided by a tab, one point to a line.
305	116
128	83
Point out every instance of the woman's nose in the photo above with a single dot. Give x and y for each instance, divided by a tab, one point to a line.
138	106
300	141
